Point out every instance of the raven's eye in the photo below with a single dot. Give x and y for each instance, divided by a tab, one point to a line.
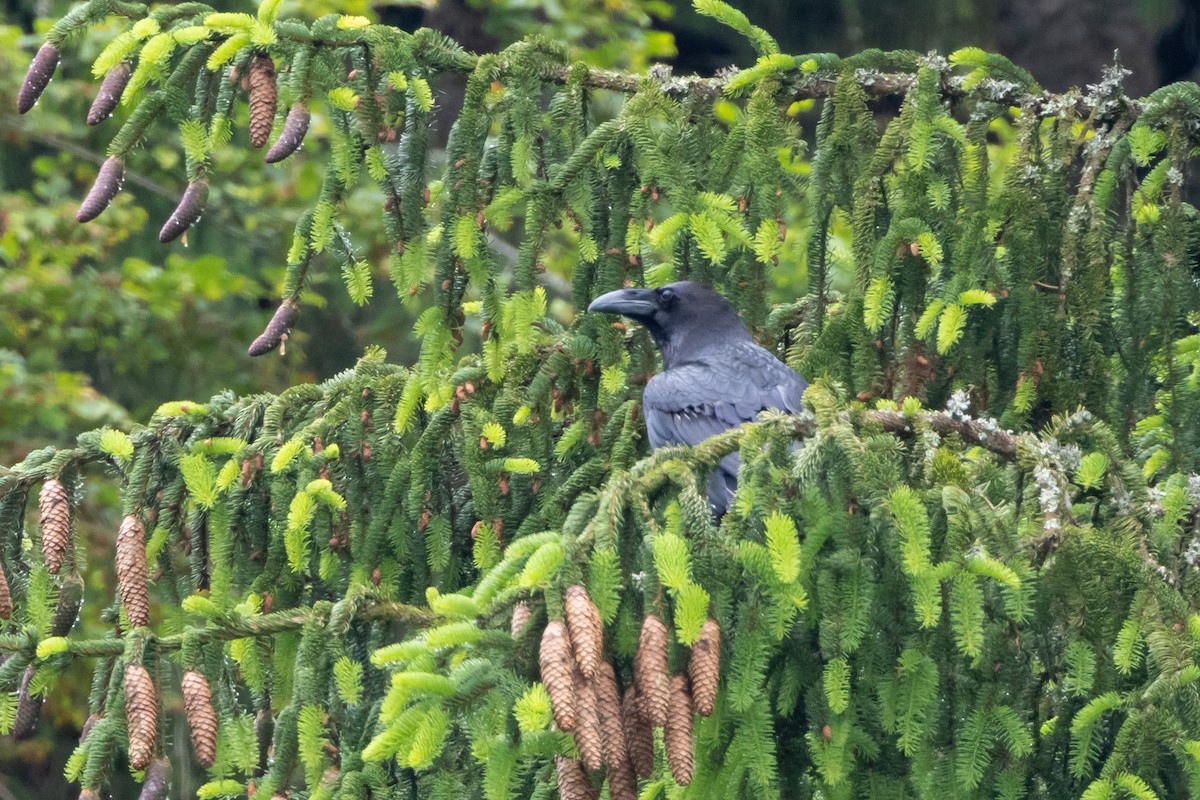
666	298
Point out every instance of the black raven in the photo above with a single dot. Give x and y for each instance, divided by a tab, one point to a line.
714	376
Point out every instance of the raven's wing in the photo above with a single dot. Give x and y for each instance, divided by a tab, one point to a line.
690	402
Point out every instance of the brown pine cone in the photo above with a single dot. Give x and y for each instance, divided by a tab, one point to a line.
706	667
587	724
54	515
573	782
277	329
197	705
66	612
520	617
41	70
88	724
111	89
295	127
141	714
158	780
622	785
650	671
131	571
264	731
88	794
6	607
29	708
554	657
262	98
678	733
187	213
108	183
587	631
639	736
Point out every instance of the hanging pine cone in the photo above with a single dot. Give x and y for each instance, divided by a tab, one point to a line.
158	780
277	329
108	183
573	782
41	70
54	514
66	612
6	607
554	657
587	631
639	736
131	571
622	785
587	724
678	733
111	89
88	724
650	671
295	127
520	617
187	213
141	714
706	667
29	708
88	794
197	706
262	98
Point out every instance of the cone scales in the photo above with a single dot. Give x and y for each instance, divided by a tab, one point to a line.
555	660
639	737
521	614
54	515
587	631
573	782
131	571
706	667
622	785
6	607
650	671
678	733
202	721
141	714
262	98
587	724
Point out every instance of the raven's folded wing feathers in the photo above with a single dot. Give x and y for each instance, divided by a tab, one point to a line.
695	400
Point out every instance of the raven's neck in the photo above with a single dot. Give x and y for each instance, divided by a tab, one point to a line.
695	341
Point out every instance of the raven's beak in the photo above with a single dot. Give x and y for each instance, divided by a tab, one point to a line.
634	303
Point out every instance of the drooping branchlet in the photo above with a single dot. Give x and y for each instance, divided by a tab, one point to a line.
41	70
108	183
277	329
111	89
191	205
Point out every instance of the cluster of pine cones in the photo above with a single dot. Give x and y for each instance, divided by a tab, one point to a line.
612	732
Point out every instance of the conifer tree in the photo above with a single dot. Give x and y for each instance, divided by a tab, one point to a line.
979	577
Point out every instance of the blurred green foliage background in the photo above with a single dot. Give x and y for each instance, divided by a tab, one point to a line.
100	324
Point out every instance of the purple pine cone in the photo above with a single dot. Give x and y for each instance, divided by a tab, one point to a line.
292	135
186	213
108	183
111	89
277	329
38	77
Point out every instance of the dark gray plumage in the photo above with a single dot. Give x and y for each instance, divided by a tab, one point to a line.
714	376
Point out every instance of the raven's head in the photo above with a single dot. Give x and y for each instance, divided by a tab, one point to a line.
682	317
